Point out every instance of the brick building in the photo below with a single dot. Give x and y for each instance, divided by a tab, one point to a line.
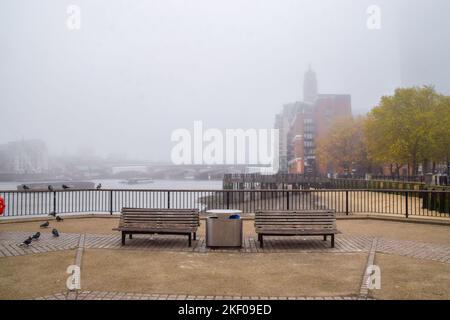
301	123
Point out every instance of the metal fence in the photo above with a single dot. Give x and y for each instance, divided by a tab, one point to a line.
350	201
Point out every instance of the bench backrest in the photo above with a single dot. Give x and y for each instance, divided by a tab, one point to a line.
314	220
170	218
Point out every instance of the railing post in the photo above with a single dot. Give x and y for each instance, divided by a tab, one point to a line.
228	199
406	200
168	199
111	202
287	200
54	202
346	203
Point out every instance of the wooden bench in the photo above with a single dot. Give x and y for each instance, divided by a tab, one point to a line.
295	223
158	221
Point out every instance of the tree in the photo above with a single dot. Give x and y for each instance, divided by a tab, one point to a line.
344	146
440	132
398	130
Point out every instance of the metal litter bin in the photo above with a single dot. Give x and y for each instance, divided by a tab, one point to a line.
221	231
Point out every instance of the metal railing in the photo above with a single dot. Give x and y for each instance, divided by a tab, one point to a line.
395	202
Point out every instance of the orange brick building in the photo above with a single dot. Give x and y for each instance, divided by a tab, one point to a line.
308	121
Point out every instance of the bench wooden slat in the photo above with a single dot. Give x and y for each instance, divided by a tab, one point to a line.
169	221
317	222
295	223
158	209
294	215
143	219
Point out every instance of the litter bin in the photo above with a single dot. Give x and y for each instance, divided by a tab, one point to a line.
224	228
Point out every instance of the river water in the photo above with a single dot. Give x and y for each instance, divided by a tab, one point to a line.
156	184
44	202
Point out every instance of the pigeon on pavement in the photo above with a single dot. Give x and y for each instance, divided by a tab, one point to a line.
45	224
55	233
36	236
26	242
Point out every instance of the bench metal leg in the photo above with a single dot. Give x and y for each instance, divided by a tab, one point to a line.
324	238
190	242
261	242
123	238
259	237
332	240
195	235
130	236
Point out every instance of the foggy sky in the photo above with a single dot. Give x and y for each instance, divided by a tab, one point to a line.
139	69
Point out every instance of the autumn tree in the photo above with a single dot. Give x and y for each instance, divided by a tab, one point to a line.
399	129
344	146
440	133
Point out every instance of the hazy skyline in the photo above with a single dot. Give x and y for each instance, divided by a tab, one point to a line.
137	70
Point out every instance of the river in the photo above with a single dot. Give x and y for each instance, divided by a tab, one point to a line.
156	184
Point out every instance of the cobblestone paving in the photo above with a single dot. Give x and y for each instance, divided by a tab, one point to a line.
250	245
9	245
105	295
418	250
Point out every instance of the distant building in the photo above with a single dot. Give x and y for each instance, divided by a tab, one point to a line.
282	123
301	123
24	157
310	86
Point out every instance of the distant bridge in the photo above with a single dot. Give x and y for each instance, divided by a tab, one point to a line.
171	171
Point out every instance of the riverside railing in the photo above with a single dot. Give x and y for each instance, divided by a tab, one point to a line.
349	201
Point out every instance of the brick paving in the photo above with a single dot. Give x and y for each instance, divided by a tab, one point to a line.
272	244
364	290
9	245
413	249
106	295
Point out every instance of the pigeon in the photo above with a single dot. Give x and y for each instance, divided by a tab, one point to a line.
65	186
53	214
59	219
26	242
36	236
50	188
55	233
45	224
99	186
25	187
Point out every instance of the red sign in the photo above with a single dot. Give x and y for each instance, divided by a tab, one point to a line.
2	205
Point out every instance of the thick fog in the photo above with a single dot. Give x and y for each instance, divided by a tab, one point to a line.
137	70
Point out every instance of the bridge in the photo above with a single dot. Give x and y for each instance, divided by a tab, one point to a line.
170	171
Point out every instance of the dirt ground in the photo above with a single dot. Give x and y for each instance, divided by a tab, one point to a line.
409	278
387	229
365	201
212	273
69	225
34	275
438	234
267	274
